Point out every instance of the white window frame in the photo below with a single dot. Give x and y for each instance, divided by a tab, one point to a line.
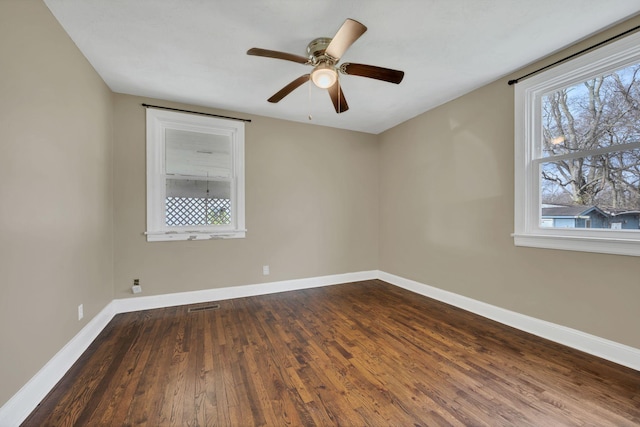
157	123
528	137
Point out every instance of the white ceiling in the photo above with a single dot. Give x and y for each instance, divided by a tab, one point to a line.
194	51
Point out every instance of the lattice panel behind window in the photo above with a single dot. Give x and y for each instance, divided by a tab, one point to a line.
186	211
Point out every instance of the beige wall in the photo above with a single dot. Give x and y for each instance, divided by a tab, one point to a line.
446	214
55	191
311	208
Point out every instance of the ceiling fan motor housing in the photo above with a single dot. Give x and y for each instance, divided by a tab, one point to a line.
316	50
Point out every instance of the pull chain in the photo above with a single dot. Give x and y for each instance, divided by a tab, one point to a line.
309	101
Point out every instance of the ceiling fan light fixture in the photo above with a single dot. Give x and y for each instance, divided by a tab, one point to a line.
324	76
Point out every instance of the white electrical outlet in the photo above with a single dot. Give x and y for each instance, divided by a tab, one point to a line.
136	288
265	270
80	312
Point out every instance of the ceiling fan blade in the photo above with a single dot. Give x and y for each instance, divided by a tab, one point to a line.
277	55
373	72
337	97
350	31
289	88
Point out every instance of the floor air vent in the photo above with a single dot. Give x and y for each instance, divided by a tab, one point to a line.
204	308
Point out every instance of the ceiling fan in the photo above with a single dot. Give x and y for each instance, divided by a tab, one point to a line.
323	54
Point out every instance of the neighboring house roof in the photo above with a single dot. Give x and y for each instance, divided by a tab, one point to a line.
618	212
570	211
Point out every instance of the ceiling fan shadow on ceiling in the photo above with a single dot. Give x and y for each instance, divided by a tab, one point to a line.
323	54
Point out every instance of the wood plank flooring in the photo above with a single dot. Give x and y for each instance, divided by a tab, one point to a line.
358	354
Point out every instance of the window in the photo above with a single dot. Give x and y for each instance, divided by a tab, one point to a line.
577	153
195	177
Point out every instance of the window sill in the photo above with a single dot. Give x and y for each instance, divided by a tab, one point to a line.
605	245
167	236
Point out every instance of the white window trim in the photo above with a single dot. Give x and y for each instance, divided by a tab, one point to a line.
528	96
157	122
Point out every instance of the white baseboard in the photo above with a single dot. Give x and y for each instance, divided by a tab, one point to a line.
126	305
31	394
600	347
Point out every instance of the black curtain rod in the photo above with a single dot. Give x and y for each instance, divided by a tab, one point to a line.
514	81
197	112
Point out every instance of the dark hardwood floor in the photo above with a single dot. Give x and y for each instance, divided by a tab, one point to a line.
357	354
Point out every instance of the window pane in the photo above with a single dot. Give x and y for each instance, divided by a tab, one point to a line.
197	154
600	112
592	192
195	202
